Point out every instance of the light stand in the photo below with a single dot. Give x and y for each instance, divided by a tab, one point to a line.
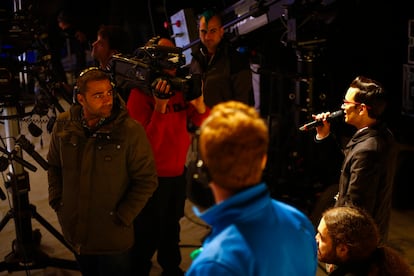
25	254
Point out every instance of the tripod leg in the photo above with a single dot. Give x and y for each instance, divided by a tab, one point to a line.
27	256
6	219
56	262
50	228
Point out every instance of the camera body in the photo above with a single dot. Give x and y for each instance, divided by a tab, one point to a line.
148	65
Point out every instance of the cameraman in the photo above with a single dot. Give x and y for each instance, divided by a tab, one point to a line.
111	40
164	115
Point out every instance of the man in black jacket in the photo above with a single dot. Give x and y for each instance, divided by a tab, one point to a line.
367	171
225	72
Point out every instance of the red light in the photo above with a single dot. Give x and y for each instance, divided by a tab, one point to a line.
167	24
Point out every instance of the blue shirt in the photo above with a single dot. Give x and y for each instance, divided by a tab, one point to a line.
253	234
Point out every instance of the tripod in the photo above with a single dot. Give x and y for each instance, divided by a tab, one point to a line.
25	254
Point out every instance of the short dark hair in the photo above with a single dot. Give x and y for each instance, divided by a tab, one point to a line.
90	74
116	36
372	94
65	16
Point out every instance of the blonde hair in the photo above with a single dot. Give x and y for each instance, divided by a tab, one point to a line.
233	142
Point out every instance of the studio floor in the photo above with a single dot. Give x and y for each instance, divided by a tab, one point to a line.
193	230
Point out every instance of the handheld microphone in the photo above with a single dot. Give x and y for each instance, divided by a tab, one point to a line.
317	123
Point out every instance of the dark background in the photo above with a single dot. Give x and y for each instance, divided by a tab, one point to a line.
366	37
362	37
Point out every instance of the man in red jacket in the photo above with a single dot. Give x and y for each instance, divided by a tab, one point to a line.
164	115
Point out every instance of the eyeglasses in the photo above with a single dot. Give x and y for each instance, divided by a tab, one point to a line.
351	102
346	102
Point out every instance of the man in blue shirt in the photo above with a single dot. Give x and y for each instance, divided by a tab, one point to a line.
252	234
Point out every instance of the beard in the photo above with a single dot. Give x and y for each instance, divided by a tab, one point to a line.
329	257
106	111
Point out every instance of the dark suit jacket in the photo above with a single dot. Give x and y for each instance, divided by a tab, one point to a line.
367	172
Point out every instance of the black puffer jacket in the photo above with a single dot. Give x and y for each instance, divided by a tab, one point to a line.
226	76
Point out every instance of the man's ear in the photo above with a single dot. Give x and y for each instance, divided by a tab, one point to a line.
264	160
342	251
222	31
365	108
80	99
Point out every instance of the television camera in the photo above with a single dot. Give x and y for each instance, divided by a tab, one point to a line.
148	65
